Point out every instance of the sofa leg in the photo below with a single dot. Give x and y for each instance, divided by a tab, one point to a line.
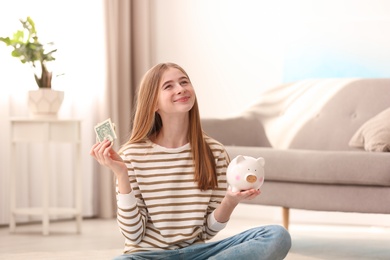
286	217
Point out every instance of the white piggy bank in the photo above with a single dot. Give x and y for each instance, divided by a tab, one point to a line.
245	172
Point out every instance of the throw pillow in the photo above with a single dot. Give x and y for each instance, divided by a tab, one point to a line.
374	135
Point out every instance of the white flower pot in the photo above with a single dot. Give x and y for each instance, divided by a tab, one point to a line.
44	103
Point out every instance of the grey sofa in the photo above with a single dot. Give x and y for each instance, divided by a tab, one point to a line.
325	143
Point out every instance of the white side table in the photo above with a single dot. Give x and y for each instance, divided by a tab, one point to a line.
46	131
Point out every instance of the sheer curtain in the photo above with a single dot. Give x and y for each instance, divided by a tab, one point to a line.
76	28
80	58
103	50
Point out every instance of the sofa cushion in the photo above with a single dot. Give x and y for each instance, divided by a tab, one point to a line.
374	135
324	197
325	167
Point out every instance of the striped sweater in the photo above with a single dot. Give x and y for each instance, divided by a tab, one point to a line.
165	209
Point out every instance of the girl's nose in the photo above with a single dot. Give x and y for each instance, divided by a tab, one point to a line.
180	89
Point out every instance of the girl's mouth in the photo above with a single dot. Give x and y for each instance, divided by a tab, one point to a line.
183	99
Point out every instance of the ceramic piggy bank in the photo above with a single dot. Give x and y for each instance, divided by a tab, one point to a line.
245	172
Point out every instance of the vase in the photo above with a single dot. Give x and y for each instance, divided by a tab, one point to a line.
45	102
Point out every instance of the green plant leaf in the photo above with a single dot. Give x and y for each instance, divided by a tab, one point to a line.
28	49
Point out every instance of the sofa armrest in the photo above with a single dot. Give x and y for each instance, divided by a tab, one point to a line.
240	131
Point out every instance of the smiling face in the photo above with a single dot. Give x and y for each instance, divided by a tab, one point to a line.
176	94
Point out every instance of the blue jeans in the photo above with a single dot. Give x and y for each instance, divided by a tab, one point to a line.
267	242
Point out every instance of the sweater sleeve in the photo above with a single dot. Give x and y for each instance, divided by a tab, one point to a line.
212	225
131	215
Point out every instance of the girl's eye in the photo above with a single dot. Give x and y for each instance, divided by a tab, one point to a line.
184	82
167	87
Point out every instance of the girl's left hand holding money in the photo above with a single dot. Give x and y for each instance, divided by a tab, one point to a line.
106	156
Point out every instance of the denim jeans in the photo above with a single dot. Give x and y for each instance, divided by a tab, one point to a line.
267	242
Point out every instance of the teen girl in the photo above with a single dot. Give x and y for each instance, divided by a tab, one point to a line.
171	186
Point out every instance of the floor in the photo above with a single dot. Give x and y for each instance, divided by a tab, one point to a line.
100	239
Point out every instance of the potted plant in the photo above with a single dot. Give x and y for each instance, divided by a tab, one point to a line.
26	47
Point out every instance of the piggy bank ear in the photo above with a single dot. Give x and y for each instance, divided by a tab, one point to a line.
240	158
261	161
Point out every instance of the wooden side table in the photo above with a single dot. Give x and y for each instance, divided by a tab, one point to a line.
46	131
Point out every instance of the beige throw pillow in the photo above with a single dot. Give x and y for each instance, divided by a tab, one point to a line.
374	135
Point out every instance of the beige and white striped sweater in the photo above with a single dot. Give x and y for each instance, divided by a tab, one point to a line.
165	209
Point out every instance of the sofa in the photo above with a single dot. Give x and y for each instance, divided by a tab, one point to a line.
325	142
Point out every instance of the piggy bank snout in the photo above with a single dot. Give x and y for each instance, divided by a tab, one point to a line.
251	178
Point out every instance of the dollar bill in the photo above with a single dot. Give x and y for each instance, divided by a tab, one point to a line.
105	131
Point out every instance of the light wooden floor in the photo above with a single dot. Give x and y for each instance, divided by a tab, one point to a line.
100	239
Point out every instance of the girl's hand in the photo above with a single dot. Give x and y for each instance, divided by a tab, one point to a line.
106	156
230	201
237	197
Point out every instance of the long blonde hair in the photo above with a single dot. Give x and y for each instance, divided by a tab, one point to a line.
147	123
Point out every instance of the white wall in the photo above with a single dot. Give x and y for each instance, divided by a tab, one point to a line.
235	49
